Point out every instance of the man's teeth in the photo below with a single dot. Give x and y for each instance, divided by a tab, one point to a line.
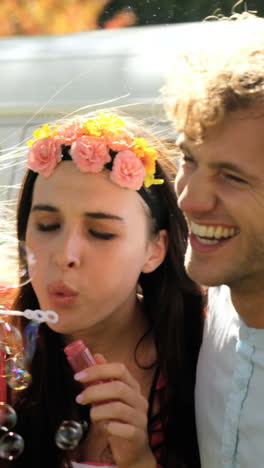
203	240
211	233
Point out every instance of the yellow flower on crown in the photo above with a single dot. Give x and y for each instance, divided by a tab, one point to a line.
103	125
150	180
148	156
43	132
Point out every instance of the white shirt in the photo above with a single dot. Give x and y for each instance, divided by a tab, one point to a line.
230	388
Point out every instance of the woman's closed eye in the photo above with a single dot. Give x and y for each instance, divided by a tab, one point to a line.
46	227
102	235
49	227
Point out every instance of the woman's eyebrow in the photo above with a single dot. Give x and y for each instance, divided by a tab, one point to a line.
41	207
103	215
88	214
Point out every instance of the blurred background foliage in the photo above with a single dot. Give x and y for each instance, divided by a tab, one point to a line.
65	16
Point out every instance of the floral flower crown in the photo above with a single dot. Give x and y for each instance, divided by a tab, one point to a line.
95	144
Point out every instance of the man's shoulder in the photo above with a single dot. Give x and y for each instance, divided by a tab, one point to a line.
219	299
220	335
218	295
221	312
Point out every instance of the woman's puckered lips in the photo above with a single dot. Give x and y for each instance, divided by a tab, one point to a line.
60	288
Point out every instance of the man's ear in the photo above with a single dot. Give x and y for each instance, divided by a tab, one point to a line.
157	250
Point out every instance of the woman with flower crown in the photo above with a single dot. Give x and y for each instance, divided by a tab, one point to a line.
98	213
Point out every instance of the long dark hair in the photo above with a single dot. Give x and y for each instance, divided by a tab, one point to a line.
173	305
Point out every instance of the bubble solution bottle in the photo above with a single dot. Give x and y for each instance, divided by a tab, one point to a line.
80	358
79	355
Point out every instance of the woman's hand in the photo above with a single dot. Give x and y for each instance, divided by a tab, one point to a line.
123	411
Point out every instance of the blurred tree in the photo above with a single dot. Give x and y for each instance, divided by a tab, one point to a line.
49	16
172	11
64	16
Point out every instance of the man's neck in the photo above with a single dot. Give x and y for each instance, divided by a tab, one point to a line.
249	304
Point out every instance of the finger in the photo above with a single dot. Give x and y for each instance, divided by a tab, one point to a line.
114	390
125	431
121	412
108	371
99	359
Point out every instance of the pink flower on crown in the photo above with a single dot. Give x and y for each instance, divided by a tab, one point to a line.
44	155
121	141
90	154
69	132
128	171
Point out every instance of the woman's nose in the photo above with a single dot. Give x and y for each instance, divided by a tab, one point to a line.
68	254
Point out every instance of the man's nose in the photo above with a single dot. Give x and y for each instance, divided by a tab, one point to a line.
196	194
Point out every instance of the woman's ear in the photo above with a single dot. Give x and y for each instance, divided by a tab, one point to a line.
157	250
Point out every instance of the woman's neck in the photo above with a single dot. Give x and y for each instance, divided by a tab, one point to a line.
116	338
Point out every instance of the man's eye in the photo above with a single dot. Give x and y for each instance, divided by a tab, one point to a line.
187	158
184	158
44	227
102	235
235	178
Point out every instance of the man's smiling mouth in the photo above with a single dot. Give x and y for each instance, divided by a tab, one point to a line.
210	235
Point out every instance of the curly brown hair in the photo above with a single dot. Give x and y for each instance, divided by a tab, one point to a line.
219	78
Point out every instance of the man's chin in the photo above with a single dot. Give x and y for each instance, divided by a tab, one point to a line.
198	275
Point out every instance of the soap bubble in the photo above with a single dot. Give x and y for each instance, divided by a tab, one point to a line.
8	417
15	361
11	446
69	435
10	338
17	377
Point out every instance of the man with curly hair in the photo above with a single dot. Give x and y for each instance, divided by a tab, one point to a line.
216	99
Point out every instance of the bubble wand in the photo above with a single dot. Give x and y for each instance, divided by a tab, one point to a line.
37	315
